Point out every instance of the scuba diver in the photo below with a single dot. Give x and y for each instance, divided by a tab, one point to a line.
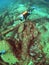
25	14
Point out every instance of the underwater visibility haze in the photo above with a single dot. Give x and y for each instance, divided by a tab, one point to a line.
24	32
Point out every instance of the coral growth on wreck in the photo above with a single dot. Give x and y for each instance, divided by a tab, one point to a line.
25	44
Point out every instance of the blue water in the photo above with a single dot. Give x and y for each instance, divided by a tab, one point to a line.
5	3
47	0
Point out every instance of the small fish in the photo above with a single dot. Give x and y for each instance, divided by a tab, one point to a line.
2	52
